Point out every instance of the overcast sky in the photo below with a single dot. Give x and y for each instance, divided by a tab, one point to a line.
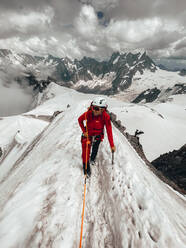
95	28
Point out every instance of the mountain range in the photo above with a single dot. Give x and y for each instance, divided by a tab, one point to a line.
130	73
109	76
88	75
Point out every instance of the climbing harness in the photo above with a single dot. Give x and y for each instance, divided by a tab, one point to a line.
95	138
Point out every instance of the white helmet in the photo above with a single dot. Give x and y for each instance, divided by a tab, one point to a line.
100	102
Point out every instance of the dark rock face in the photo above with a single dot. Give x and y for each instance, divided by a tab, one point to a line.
149	95
1	152
126	66
183	72
4	52
173	166
180	89
38	85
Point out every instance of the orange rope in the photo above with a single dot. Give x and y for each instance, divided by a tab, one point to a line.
82	216
83	210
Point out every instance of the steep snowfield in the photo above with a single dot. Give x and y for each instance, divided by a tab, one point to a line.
159	79
41	194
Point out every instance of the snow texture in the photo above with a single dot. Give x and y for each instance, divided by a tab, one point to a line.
163	124
41	194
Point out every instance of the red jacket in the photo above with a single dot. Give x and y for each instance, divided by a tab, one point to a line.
96	124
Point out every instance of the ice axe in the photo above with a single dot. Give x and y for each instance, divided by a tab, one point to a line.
112	157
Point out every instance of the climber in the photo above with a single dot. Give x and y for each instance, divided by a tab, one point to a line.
93	133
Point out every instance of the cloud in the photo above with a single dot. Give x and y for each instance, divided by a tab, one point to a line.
25	23
180	44
23	4
74	27
87	22
20	95
21	99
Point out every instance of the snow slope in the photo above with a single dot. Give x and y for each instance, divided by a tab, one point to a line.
163	124
160	79
41	194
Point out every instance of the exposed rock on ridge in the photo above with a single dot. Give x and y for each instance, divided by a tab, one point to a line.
163	95
173	166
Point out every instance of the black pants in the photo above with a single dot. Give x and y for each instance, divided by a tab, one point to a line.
95	147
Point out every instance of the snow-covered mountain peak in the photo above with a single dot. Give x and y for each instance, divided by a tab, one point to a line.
129	72
79	73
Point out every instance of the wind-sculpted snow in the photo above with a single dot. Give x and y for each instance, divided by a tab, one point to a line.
126	205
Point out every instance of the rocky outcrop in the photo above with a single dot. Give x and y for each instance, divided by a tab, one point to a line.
163	95
180	89
126	65
173	166
1	152
38	85
148	95
183	72
133	139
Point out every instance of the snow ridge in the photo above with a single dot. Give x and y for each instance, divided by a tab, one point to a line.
127	205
